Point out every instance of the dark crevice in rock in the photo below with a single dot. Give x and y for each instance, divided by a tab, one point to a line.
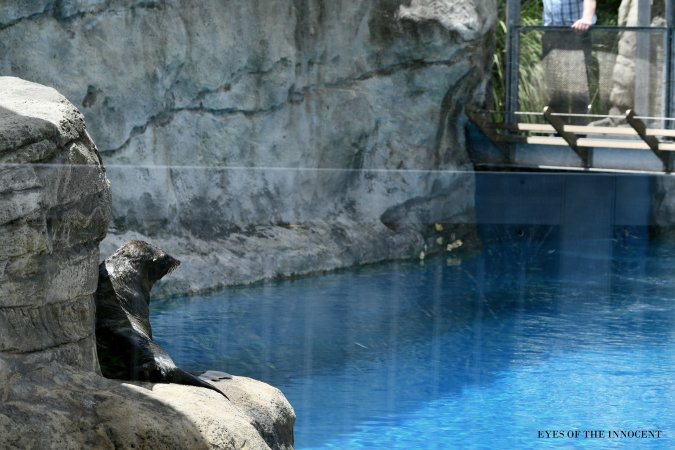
34	16
294	96
283	63
7	149
201	95
41	155
41	350
7	195
415	64
59	12
450	108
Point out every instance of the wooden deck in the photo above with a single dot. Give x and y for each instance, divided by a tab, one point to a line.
514	140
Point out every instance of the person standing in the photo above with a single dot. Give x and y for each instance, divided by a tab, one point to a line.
566	53
576	14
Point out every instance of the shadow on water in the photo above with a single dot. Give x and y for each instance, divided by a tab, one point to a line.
379	342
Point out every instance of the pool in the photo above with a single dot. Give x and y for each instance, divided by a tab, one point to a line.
508	347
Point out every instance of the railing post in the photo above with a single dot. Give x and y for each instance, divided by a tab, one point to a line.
643	59
512	57
668	101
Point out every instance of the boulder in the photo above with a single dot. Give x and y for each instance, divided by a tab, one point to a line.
54	406
55	207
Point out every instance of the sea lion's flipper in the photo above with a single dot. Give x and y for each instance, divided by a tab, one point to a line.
214	375
180	376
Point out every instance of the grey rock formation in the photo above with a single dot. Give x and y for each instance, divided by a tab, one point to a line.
304	120
54	210
56	407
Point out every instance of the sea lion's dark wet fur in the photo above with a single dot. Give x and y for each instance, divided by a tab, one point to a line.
123	334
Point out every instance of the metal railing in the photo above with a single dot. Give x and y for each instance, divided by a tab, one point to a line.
604	73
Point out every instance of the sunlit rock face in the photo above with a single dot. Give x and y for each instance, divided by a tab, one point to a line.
54	211
55	207
55	407
304	120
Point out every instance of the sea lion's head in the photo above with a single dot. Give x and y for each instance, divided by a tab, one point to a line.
144	259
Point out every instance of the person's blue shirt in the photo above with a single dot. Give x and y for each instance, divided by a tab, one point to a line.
562	13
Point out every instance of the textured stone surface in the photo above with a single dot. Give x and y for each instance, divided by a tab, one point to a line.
335	104
55	209
298	243
56	407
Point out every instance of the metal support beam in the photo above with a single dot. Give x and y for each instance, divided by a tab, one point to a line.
653	143
512	52
641	129
642	59
669	107
487	128
570	138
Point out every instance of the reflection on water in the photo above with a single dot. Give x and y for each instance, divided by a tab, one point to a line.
536	331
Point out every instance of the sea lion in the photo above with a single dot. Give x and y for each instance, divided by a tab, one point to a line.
124	342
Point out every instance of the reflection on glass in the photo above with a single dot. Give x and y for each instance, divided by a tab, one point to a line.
563	319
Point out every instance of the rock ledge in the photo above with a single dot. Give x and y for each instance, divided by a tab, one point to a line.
55	207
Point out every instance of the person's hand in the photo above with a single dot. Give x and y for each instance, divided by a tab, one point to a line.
582	25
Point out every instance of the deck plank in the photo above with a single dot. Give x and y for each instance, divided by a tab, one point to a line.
613	143
590	129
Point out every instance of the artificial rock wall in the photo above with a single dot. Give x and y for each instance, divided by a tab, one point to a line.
256	138
54	211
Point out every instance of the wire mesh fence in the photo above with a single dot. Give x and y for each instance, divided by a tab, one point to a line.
603	72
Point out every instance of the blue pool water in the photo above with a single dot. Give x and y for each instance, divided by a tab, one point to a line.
532	333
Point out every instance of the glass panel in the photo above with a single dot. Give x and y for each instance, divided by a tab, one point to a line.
603	72
566	298
541	303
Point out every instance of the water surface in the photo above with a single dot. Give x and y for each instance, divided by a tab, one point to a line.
484	350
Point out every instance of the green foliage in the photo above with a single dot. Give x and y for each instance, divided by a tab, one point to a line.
530	51
530	10
607	12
